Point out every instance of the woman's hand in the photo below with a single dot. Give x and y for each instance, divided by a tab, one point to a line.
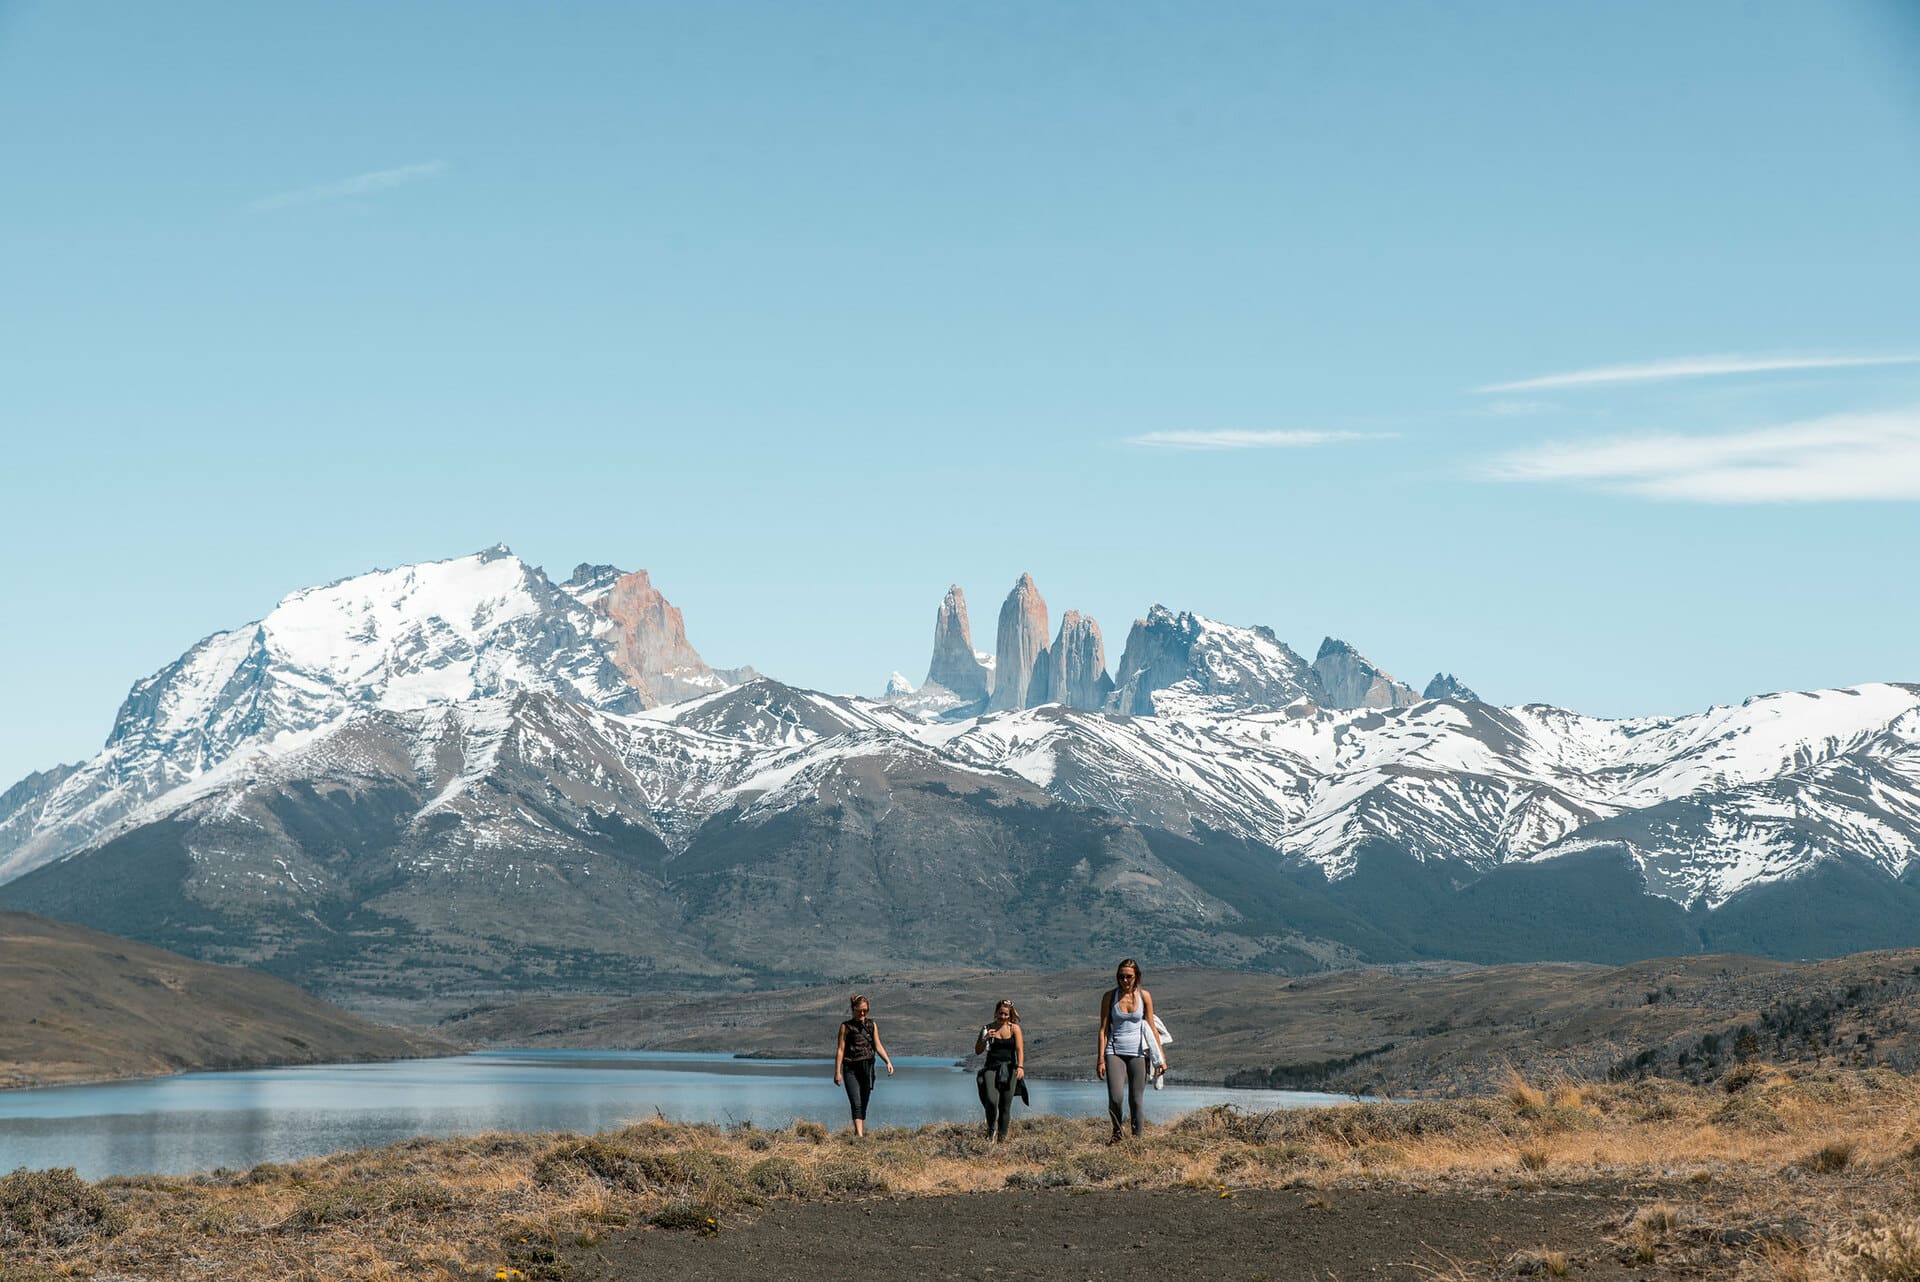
1019	1070
1100	1068
889	1068
836	1079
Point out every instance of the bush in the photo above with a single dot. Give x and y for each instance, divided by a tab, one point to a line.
780	1177
332	1206
1829	1157
850	1176
812	1132
53	1207
1267	1157
683	1215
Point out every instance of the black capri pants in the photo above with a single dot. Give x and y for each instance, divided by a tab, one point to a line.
857	1076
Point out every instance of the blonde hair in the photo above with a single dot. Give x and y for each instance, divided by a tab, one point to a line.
853	1002
1013	1012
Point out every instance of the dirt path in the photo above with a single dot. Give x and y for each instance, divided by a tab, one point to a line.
1181	1235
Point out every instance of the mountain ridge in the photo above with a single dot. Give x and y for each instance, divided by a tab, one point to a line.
468	735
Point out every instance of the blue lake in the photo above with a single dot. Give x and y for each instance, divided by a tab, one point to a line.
199	1121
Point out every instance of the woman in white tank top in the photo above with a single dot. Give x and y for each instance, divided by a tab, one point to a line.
1126	1025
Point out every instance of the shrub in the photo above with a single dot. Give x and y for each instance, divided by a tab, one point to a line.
1267	1157
1527	1100
850	1176
812	1132
682	1215
1534	1159
53	1207
780	1177
1830	1157
332	1206
416	1194
1878	1253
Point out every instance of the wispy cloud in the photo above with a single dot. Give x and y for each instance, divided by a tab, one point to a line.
1690	367
346	188
1844	456
1518	409
1241	440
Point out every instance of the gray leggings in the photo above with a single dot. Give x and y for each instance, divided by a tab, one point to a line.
996	1098
1134	1069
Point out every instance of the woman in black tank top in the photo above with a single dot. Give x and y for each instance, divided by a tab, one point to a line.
1002	1076
853	1060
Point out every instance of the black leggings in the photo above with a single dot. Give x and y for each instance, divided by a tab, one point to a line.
857	1076
996	1097
1134	1069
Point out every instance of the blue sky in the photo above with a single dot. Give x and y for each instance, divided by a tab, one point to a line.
814	309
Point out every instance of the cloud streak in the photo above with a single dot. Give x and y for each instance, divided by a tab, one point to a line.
1227	439
1837	458
1690	367
346	188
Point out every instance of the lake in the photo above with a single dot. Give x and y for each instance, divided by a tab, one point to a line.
199	1121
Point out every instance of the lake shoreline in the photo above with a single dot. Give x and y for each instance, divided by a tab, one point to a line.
1651	1180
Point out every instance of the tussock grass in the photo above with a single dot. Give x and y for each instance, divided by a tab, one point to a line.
469	1207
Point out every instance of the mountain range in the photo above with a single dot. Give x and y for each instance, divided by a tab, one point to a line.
462	778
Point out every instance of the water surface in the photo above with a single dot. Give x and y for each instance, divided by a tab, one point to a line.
201	1121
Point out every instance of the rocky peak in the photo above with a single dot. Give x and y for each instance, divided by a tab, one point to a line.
898	687
1022	642
1186	663
1348	679
1073	670
955	667
646	637
1446	686
589	582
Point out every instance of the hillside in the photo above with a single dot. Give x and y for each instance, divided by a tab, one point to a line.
76	1004
463	781
1441	1031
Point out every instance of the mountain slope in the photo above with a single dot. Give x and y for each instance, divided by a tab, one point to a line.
456	778
76	1004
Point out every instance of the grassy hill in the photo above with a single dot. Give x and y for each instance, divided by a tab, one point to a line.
1426	1029
76	1004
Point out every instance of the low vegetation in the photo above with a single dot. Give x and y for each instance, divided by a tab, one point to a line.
1795	1176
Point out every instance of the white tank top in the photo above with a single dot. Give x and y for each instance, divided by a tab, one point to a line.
1127	1030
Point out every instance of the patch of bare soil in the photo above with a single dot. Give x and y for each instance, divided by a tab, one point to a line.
1283	1235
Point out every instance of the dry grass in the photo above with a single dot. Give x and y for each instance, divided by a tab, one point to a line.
477	1206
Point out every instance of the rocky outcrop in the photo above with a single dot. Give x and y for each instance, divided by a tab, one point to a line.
1187	663
1446	686
1073	670
646	637
1348	679
955	667
1022	642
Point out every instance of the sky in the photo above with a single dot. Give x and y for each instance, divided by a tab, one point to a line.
1571	349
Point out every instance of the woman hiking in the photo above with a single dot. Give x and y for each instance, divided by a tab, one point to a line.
853	1059
1003	1075
1127	1041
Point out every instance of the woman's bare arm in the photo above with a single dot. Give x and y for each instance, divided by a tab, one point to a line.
1019	1051
1100	1048
839	1054
880	1049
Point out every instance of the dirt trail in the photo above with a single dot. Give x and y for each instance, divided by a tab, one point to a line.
1285	1236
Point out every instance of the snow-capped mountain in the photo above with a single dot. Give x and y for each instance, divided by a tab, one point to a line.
422	636
374	784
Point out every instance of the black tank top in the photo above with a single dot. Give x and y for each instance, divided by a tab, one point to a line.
859	1038
1001	1050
